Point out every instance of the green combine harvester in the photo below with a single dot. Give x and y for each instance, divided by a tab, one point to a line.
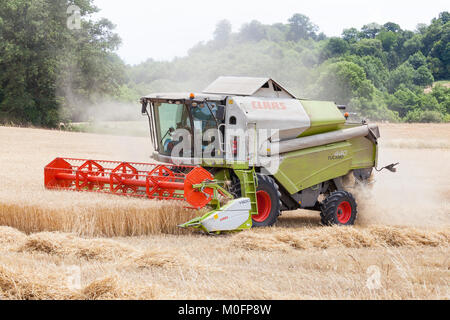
245	146
264	151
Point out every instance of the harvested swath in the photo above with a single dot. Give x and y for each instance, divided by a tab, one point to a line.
101	289
258	241
101	250
11	236
339	237
410	237
19	286
67	245
155	259
327	238
111	288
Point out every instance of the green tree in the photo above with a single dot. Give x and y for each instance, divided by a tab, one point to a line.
341	81
430	103
417	60
351	35
444	17
335	47
424	116
373	109
371	30
423	77
277	32
301	27
393	27
253	31
435	45
368	47
222	34
412	45
440	49
403	75
388	40
442	95
40	55
403	101
374	68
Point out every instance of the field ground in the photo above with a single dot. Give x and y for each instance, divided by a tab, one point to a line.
444	83
125	248
117	128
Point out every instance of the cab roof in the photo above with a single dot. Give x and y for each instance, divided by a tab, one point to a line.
185	96
224	87
247	86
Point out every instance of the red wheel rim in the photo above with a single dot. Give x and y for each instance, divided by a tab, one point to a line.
344	212
264	206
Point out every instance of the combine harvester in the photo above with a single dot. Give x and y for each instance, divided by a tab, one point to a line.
245	146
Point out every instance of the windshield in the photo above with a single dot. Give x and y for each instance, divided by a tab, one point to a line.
170	117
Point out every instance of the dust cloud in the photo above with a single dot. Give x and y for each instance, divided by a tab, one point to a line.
417	195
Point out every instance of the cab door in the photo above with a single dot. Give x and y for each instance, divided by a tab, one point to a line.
208	137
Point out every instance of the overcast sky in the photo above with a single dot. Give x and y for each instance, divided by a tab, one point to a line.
166	29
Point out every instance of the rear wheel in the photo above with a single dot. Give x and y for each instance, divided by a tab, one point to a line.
269	202
339	209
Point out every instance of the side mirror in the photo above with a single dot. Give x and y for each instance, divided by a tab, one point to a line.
144	107
220	114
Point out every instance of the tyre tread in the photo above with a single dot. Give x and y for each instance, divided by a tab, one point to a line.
329	207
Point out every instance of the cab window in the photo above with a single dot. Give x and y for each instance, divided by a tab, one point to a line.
204	116
170	117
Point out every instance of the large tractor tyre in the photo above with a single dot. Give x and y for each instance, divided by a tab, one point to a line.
340	209
269	202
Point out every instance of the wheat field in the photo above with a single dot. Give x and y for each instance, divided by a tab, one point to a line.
119	248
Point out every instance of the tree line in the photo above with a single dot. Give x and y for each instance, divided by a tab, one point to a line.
49	72
379	71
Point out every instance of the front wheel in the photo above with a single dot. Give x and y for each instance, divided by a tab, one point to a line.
339	209
269	202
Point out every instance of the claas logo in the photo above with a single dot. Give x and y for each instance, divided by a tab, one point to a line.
268	105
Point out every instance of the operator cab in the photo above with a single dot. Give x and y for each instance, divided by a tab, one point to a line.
184	119
231	121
